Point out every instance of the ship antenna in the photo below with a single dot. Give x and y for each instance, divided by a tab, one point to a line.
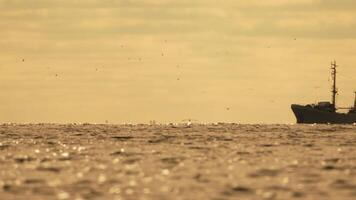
334	89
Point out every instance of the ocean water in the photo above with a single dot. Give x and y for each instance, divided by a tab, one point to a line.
177	161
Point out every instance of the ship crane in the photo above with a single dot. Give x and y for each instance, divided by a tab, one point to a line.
334	89
349	108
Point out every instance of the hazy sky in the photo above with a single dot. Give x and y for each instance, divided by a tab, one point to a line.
168	60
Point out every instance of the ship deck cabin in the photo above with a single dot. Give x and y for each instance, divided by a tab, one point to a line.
329	107
324	106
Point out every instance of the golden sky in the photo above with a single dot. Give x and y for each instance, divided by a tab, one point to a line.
169	60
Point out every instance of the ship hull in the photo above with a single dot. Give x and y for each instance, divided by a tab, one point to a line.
309	115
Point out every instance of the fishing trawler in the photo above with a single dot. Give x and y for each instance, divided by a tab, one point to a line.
325	112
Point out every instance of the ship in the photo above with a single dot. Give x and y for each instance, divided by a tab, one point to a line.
326	112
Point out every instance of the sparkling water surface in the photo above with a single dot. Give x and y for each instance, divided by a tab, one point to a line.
177	161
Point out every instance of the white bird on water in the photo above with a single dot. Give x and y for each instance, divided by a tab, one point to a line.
189	122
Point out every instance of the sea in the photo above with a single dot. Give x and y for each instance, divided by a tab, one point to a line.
177	161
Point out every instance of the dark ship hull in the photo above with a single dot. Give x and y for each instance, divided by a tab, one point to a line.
309	115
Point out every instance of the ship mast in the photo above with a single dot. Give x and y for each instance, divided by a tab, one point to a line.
334	89
355	101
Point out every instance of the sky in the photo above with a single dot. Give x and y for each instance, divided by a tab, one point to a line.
132	61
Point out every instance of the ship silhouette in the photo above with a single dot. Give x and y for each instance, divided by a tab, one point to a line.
325	112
